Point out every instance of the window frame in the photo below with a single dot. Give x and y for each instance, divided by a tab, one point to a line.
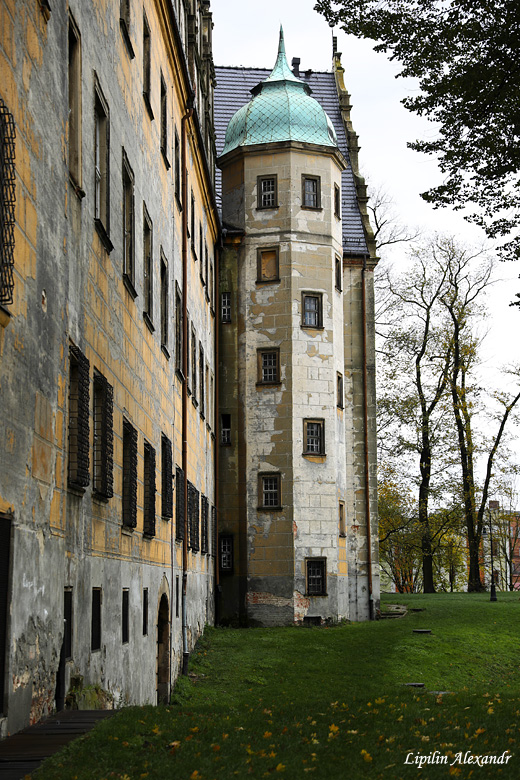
260	194
96	623
317	194
103	440
124	24
263	492
225	431
75	105
320	423
78	467
148	269
226	558
129	476
342	520
102	166
125	616
322	563
260	367
319	311
149	489
128	225
164	123
337	201
166	478
7	200
147	66
338	273
259	253
340	390
225	307
165	293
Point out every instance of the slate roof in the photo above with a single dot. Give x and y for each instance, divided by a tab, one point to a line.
233	91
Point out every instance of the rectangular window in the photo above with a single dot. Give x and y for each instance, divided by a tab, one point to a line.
267	188
147	66
270	494
149	490
164	123
268	265
179	504
7	204
128	225
337	202
178	329
125	616
124	23
192	234
101	167
145	611
74	102
67	623
166	478
312	310
314	437
201	251
148	268
225	307
213	533
225	430
342	520
95	634
188	352
204	506
193	517
268	366
129	491
193	366
79	381
316	577
177	593
206	270
311	192
340	393
338	273
211	285
226	553
103	451
164	304
202	398
178	182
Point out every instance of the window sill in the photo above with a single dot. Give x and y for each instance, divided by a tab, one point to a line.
269	509
105	240
165	158
77	490
268	384
178	200
146	99
312	208
312	327
268	208
101	497
164	350
194	402
5	317
148	321
129	286
316	595
80	193
268	281
126	38
314	457
179	375
127	530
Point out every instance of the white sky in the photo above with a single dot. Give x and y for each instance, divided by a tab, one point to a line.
246	33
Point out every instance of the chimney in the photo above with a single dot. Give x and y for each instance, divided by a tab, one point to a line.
295	62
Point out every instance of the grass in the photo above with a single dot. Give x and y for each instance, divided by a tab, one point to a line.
328	703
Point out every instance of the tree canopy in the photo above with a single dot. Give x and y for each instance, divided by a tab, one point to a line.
464	54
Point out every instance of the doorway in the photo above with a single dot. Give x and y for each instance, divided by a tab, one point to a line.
163	651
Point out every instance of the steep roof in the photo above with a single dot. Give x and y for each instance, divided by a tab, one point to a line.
233	90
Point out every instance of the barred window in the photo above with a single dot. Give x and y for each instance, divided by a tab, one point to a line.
103	452
267	187
166	477
226	553
213	530
149	490
148	267
270	494
312	310
225	430
225	307
78	473
129	475
193	517
7	201
313	437
268	366
179	504
316	577
204	531
125	616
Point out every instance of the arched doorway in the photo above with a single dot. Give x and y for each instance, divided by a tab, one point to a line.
163	651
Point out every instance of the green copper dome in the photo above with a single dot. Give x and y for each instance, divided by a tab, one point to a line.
281	110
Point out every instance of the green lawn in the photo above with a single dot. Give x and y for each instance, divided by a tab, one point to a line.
329	702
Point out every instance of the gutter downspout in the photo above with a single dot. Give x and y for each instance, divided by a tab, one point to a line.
187	116
365	431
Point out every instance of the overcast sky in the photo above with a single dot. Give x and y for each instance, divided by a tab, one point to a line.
246	34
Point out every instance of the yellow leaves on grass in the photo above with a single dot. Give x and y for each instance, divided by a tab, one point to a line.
366	756
280	767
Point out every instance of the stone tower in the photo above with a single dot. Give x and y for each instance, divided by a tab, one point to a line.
283	466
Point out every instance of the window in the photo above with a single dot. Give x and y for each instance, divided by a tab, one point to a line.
67	623
95	634
202	382
103	452
337	202
225	307
78	472
166	478
268	366
125	610
213	531
7	203
225	430
148	268
179	504
101	167
270	496
268	265
204	545
311	192
226	554
193	366
192	233
206	270
314	437
149	490
267	188
164	305
201	252
211	285
342	521
178	329
74	103
312	310
340	393
164	123
188	352
193	517
124	23
128	226
129	491
316	577
147	66
177	590
177	169
145	611
338	274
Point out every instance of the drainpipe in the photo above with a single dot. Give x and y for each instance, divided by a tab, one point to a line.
365	426
185	119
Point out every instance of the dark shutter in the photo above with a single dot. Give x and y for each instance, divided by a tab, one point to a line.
179	504
78	418
129	475
166	477
149	489
104	436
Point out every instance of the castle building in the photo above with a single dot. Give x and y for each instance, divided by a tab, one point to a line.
186	352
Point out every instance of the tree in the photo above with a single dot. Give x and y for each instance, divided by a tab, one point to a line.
464	54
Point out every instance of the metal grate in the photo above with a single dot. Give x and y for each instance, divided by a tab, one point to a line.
149	490
78	418
179	504
316	578
103	437
7	201
129	475
204	536
193	518
166	477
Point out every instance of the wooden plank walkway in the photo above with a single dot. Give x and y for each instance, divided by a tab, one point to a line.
22	753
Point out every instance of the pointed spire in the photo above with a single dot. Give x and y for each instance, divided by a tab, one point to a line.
281	70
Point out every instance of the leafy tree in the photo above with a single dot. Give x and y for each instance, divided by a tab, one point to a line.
464	54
